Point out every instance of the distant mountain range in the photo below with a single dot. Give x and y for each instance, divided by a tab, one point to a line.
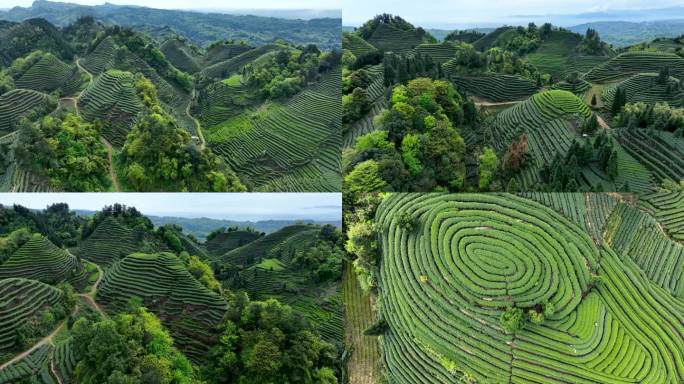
617	33
294	14
622	33
199	27
202	226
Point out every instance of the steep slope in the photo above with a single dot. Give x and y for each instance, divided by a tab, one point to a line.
184	305
109	242
39	259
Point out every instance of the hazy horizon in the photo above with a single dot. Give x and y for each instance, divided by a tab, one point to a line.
221	206
224	5
445	14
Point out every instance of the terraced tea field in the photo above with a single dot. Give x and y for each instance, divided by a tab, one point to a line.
295	147
391	39
112	97
188	308
644	87
109	242
494	87
631	63
660	154
668	209
549	120
41	260
356	44
48	74
267	270
364	365
21	300
226	242
541	83
608	309
558	56
17	103
288	141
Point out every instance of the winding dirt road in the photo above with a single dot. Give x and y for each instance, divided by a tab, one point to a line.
112	174
602	122
198	127
90	75
75	99
45	340
54	371
495	104
89	297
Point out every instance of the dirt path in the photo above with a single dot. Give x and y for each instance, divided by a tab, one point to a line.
89	297
602	122
45	340
112	174
54	371
493	104
9	135
75	99
48	339
90	75
198	127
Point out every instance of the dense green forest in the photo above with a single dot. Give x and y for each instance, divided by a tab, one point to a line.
516	109
110	298
97	107
200	27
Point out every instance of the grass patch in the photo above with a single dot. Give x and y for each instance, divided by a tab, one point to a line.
271	264
595	90
233	81
230	128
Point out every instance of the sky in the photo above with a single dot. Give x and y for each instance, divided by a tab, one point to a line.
227	206
468	13
204	4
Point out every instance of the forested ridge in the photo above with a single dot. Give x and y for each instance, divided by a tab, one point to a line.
516	109
110	298
106	108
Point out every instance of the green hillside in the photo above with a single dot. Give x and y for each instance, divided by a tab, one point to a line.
558	55
22	300
630	63
18	103
549	120
225	242
49	73
646	87
260	248
112	98
111	241
576	308
189	309
150	100
282	265
259	27
388	38
308	160
356	44
520	108
496	87
181	55
487	41
136	294
39	259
